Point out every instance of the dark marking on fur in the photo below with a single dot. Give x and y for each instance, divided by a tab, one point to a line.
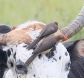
59	57
14	55
40	55
66	53
67	66
51	53
53	48
11	64
8	53
54	59
34	75
25	45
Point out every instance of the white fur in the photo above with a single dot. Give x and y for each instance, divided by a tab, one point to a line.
44	67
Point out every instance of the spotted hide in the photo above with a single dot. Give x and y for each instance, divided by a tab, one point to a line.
52	64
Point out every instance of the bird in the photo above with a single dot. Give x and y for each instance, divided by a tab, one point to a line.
46	31
46	44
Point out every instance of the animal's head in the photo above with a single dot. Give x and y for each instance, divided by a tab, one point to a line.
17	42
26	33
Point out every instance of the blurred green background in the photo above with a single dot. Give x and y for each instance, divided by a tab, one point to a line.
15	12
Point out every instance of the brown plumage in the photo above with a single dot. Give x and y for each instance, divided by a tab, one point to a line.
47	43
47	30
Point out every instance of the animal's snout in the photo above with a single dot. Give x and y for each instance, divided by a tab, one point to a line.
20	68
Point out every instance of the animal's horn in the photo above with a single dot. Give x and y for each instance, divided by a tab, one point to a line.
74	26
3	39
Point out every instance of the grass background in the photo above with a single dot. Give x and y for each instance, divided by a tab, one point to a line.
15	12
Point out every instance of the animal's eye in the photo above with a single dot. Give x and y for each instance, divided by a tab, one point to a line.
11	64
19	66
8	52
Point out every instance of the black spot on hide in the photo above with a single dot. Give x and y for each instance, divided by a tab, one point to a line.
40	55
54	59
67	66
51	53
25	45
34	75
14	55
66	53
59	57
11	64
8	53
